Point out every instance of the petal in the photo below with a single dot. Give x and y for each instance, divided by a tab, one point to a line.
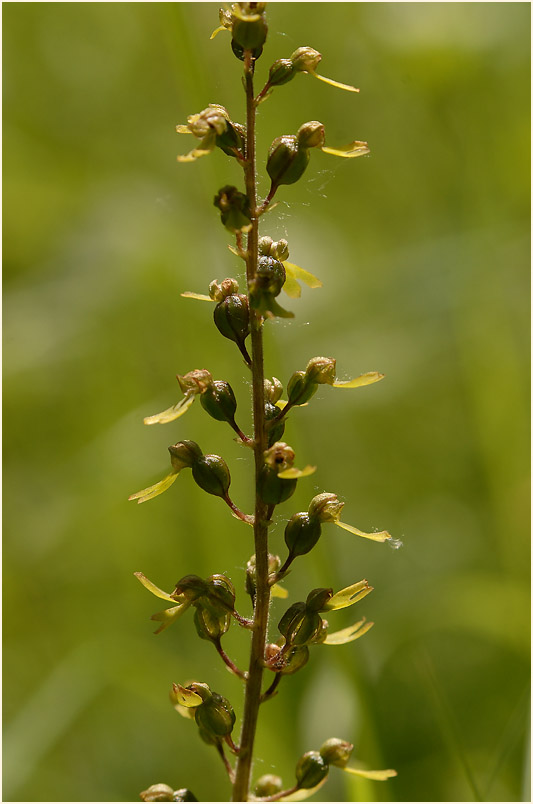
349	634
302	275
188	294
303	795
155	590
355	148
349	596
193	155
185	697
172	413
334	83
183	129
217	31
155	490
377	775
363	379
294	473
291	287
278	591
379	536
168	616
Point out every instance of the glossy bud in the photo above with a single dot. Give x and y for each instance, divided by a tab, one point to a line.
273	390
232	318
219	401
317	599
280	250
300	389
310	770
311	135
300	626
336	752
184	454
294	660
249	35
234	208
286	160
301	534
211	623
281	72
268	785
216	716
221	590
269	278
212	475
325	507
321	370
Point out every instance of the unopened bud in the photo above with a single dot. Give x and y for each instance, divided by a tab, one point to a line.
249	34
221	590
325	507
336	752
281	72
311	135
158	792
269	277
232	318
273	390
227	287
275	432
305	59
234	208
310	770
321	370
286	160
274	563
300	389
280	250
211	623
216	716
194	381
268	785
299	626
212	474
301	534
184	454
219	401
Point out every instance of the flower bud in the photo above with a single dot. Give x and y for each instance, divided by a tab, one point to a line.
274	563
321	370
234	208
194	382
212	475
158	792
336	752
317	598
310	770
184	795
305	59
286	160
281	72
311	135
211	623
227	287
232	318
269	277
280	250
268	785
184	454
216	717
325	507
276	432
273	390
221	590
219	401
300	389
265	244
301	534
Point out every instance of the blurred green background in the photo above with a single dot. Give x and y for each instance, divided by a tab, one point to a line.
424	251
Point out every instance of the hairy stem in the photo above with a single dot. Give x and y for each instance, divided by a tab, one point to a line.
255	671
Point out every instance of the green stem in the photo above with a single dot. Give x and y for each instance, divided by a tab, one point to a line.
262	598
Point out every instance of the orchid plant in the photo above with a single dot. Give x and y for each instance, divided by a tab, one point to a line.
243	318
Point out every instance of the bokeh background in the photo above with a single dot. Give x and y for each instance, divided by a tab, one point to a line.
423	248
